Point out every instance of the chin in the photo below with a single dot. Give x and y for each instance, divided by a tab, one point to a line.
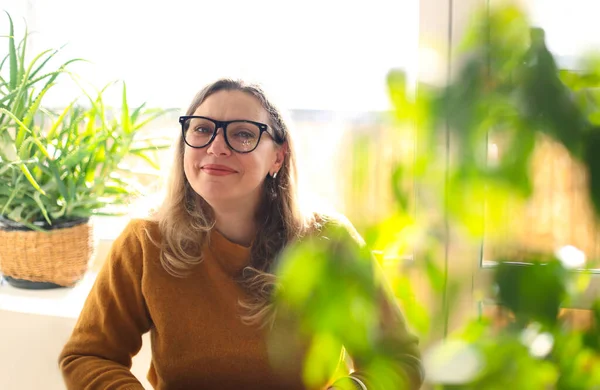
213	196
216	196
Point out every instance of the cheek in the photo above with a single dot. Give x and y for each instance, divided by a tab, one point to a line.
254	165
189	158
191	155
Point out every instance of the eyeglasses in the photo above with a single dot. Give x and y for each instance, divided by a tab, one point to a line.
241	136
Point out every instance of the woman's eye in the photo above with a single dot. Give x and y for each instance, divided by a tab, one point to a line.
244	134
203	130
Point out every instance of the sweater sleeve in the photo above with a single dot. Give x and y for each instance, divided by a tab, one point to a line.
109	330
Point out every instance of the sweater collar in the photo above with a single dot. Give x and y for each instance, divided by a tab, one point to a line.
230	256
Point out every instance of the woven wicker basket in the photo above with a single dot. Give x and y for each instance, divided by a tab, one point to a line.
59	256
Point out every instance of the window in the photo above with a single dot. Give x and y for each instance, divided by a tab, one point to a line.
326	62
559	213
312	54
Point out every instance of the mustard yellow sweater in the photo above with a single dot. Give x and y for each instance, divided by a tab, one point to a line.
198	339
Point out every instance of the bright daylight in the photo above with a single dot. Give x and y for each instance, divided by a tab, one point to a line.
299	195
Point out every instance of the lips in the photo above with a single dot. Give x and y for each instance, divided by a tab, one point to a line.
217	170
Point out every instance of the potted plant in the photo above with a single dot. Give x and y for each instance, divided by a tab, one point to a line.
57	169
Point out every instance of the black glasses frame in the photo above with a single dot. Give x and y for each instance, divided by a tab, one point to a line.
223	124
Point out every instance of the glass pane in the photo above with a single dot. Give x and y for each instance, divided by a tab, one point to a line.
571	27
559	215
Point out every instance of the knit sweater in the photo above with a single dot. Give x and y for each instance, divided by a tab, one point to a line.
198	340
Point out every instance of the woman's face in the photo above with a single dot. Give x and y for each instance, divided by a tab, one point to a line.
224	178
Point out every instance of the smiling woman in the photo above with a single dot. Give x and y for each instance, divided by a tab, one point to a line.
201	273
230	180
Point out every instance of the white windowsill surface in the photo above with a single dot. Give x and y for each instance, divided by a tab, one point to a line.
34	327
60	302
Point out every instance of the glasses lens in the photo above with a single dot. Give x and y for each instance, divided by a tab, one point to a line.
198	131
242	136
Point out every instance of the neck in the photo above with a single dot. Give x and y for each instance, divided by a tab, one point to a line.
237	225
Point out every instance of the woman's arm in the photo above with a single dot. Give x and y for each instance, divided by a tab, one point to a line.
109	330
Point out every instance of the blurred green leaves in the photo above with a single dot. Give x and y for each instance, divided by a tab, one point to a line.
509	93
475	139
533	290
333	287
338	294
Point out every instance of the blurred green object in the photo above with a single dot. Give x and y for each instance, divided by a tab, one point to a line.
333	288
532	302
511	88
508	87
62	166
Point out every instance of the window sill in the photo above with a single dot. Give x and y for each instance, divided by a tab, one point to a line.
60	302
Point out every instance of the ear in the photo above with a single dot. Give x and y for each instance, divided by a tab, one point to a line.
280	154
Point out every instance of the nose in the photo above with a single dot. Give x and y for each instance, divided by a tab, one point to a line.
218	146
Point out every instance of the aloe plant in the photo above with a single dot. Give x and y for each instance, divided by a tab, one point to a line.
64	165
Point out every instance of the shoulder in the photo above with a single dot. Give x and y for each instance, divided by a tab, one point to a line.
140	229
335	227
138	236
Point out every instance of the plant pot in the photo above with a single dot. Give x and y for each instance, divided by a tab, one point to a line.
57	257
29	285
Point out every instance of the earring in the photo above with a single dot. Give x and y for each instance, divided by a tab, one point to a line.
274	175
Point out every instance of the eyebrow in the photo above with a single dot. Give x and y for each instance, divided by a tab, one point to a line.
229	120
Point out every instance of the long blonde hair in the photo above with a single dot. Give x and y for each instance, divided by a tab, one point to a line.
185	218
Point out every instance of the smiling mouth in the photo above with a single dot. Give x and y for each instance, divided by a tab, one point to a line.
217	171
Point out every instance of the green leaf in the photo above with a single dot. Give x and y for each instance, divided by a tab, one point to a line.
43	64
40	204
33	109
125	118
151	116
25	149
20	90
25	129
30	178
59	121
15	214
136	112
60	213
113	190
76	157
533	291
23	52
9	200
6	167
61	186
322	359
12	53
144	157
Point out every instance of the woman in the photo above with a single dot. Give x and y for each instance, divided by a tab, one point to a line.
197	275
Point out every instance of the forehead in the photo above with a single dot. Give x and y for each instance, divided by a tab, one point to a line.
231	105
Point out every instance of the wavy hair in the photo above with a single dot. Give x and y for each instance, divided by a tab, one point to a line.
185	218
